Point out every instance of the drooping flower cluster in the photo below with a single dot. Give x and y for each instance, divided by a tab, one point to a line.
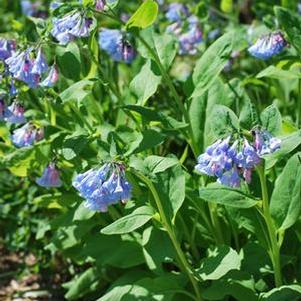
185	27
231	162
103	186
13	113
117	45
27	135
268	46
22	66
72	25
50	177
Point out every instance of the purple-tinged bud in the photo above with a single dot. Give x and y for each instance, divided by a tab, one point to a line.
100	5
52	77
2	109
39	65
50	177
7	49
265	143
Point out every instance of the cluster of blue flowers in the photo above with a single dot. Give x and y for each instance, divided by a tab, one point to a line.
103	186
21	65
233	162
27	135
269	45
117	45
185	27
50	177
13	114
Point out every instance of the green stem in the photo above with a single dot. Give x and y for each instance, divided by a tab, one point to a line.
275	249
175	95
299	104
183	263
216	223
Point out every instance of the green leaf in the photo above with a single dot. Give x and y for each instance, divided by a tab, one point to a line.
130	222
278	73
285	203
145	83
271	120
213	61
86	283
226	196
145	15
171	188
69	61
150	139
291	23
220	261
238	284
73	146
149	115
78	91
165	46
283	293
223	121
157	164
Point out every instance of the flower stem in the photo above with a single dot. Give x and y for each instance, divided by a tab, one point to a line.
274	246
183	263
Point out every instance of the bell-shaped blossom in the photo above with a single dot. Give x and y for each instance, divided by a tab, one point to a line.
230	178
190	40
15	113
50	177
7	49
55	4
104	186
51	78
39	65
177	12
265	143
268	46
26	135
114	42
13	90
73	25
20	66
28	8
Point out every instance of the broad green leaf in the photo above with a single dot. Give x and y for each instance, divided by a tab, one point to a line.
227	196
271	120
157	164
248	116
78	91
150	139
145	83
131	222
73	146
285	203
83	213
238	284
149	115
170	185
69	61
86	283
145	15
291	23
219	262
278	73
283	293
223	121
288	144
214	59
165	46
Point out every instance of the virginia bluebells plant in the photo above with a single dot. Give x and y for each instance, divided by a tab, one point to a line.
268	46
116	44
15	113
103	186
51	78
232	162
26	135
50	177
185	27
73	25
